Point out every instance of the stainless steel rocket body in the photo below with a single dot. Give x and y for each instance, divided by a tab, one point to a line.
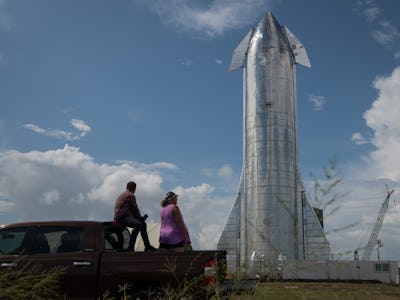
268	213
271	217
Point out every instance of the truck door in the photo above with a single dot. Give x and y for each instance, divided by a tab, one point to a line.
51	246
67	246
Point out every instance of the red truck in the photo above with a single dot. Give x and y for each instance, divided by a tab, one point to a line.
97	260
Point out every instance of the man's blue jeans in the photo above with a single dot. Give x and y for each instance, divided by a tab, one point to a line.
138	226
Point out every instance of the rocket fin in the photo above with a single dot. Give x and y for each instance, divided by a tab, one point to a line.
229	239
315	244
298	49
240	52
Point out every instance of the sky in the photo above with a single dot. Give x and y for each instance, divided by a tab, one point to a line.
94	94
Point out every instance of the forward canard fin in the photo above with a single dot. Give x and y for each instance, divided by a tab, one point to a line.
240	52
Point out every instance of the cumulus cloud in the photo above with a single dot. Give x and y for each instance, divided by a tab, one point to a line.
50	197
207	236
318	102
204	211
382	117
67	184
81	127
366	180
206	20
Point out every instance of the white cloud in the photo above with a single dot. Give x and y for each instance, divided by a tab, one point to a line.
151	166
359	139
63	178
207	236
371	13
50	197
187	62
382	117
386	35
206	20
366	180
318	102
68	184
225	172
204	213
369	9
79	125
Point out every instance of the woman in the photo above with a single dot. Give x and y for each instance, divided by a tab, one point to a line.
173	233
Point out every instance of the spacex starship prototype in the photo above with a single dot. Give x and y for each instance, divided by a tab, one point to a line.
271	217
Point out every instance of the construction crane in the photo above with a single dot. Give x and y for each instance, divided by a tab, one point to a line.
373	239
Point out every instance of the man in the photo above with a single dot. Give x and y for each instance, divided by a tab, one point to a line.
127	214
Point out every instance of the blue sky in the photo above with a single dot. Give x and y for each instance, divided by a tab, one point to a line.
96	93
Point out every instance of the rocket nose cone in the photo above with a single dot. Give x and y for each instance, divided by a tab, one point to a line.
269	24
272	33
269	15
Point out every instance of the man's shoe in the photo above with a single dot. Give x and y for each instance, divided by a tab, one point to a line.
150	249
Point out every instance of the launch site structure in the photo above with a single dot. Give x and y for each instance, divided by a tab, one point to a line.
271	218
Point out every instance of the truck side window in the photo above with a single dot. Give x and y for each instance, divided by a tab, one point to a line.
55	239
40	244
116	238
14	241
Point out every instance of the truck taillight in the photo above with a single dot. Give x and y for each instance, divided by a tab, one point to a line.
210	271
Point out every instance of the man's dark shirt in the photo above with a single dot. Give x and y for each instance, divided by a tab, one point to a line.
126	206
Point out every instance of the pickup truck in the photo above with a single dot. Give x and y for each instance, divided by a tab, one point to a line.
97	260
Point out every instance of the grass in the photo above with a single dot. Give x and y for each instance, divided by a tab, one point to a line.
30	282
322	290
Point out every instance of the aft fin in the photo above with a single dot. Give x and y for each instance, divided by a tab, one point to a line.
315	243
240	52
298	49
230	236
